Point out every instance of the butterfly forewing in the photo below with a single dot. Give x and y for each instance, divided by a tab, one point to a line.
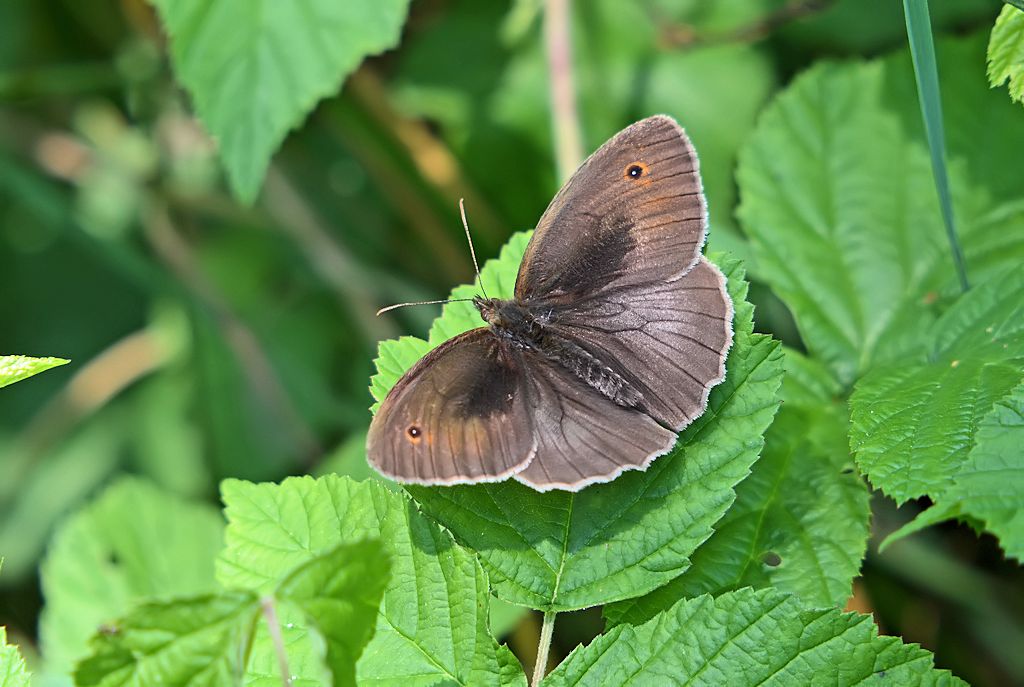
461	414
633	213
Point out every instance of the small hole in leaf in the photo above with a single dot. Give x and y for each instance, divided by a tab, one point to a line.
771	559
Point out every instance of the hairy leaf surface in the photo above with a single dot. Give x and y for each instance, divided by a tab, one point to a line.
749	637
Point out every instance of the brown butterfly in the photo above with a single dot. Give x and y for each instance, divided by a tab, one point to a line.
618	330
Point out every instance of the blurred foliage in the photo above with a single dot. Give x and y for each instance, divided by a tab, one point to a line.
211	339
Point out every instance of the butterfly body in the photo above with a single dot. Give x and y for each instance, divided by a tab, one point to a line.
616	332
521	327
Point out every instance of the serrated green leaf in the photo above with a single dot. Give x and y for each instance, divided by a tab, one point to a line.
989	485
12	666
913	423
840	207
433	623
341	592
135	541
256	69
191	642
562	551
800	521
749	637
14	368
1006	52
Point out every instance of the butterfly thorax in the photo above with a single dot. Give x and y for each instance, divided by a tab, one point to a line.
518	325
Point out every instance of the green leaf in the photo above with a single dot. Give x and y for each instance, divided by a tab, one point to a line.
1006	52
913	423
341	592
563	551
12	666
433	623
192	642
14	368
135	541
989	486
256	69
800	521
841	209
749	637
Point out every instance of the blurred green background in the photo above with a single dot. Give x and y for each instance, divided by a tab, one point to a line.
211	339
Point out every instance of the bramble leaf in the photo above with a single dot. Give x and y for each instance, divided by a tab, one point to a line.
841	209
800	521
989	485
433	622
749	637
135	541
12	666
913	423
192	642
564	551
1006	51
255	70
325	611
14	368
341	592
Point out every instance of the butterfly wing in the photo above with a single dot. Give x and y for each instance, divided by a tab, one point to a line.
669	340
633	213
615	267
461	414
582	437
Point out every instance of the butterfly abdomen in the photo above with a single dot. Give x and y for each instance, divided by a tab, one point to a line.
592	371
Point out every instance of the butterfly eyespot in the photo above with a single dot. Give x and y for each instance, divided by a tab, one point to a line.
636	170
415	433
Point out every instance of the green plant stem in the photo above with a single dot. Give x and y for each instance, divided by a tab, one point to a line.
922	50
540	668
274	627
564	118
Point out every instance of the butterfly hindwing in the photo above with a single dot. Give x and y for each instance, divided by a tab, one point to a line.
461	414
668	339
582	437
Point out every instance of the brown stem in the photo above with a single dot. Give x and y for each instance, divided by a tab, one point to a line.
565	121
274	627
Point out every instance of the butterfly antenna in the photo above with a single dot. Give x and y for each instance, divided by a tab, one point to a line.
402	305
472	252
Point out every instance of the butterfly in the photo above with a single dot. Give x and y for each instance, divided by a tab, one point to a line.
618	329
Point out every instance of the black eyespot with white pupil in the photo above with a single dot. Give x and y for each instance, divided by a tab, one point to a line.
414	432
635	170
